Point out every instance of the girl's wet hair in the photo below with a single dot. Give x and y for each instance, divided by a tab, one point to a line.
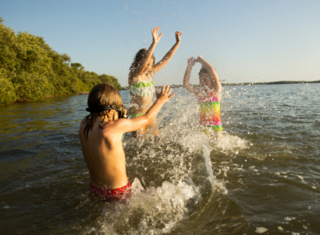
138	58
102	94
203	71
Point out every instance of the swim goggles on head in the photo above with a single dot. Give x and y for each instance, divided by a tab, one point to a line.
122	111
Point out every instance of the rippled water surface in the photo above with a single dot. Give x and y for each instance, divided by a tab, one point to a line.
261	176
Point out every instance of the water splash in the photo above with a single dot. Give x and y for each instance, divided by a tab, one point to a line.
175	170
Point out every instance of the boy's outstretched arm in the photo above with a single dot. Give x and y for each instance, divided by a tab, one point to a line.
212	72
186	78
169	54
129	125
145	59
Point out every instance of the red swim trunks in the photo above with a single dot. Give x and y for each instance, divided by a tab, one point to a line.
109	195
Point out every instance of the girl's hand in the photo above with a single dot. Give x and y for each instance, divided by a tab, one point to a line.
191	61
156	37
178	34
164	95
199	58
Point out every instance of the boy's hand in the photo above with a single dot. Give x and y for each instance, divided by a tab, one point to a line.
164	95
156	37
178	34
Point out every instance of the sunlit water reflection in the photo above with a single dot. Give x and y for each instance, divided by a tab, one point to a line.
262	175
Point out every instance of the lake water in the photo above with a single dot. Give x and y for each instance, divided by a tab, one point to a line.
261	176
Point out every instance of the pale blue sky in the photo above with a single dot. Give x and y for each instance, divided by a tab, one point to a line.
246	41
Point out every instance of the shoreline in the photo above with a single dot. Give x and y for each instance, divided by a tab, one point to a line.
268	83
19	101
245	84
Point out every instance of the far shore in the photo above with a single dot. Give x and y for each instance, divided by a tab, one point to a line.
179	86
247	84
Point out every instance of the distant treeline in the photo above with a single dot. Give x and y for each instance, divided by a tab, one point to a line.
31	70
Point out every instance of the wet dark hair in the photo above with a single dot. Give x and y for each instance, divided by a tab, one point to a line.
203	70
102	94
137	59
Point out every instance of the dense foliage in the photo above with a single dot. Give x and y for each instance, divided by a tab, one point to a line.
31	70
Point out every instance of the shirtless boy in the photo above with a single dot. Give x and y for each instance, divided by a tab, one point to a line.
101	135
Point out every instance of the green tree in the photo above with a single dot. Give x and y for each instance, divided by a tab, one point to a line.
31	70
31	86
7	91
110	79
77	66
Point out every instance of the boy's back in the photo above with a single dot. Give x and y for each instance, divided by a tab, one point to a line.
104	155
101	135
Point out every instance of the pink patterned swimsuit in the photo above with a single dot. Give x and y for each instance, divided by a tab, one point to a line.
209	114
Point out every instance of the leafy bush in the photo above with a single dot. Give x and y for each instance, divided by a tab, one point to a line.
30	86
7	91
31	70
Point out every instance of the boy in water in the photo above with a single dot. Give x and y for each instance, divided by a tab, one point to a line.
101	135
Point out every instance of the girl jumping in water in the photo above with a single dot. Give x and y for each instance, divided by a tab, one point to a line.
141	72
209	96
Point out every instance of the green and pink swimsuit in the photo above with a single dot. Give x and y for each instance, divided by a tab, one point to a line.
209	114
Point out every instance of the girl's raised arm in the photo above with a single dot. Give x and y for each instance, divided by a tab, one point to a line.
186	78
142	65
216	82
169	54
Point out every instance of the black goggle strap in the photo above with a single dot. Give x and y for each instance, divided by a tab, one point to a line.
100	108
122	112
